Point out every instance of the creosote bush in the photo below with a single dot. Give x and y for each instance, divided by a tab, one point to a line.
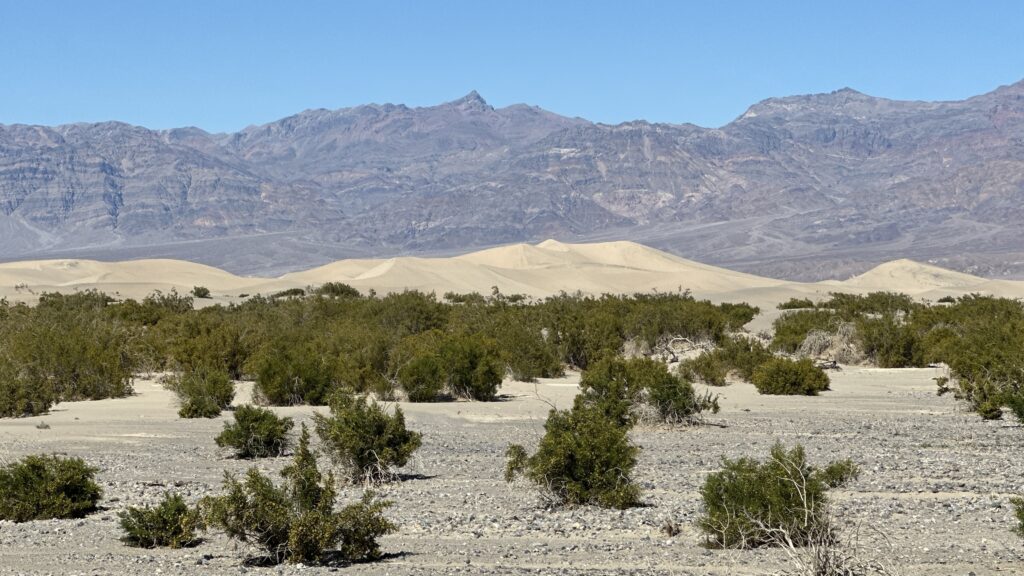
749	504
171	523
623	388
1018	512
364	440
204	391
256	433
297	522
201	292
585	457
790	377
43	487
21	397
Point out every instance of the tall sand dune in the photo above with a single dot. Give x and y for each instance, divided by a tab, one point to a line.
537	270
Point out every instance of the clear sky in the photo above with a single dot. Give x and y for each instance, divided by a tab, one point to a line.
222	65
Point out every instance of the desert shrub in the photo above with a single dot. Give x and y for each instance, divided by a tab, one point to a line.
792	327
620	388
363	439
153	309
472	366
42	487
171	524
211	337
947	300
890	343
790	377
675	401
795	303
289	293
743	355
337	290
22	397
748	504
738	315
294	369
201	292
708	368
296	521
71	349
839	473
203	391
585	457
422	378
524	349
256	433
1018	512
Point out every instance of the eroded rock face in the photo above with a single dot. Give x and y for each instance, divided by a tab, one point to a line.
801	187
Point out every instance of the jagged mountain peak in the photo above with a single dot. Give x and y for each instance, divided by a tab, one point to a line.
471	102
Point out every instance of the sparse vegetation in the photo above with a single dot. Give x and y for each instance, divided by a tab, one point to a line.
749	504
43	487
203	391
256	433
364	440
297	522
201	292
790	377
171	524
796	304
1018	512
623	389
585	457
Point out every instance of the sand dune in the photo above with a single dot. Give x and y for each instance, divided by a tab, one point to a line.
535	270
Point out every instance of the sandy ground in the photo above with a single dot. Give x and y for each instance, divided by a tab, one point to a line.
534	270
932	497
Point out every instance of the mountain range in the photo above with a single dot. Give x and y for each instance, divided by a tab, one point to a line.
801	187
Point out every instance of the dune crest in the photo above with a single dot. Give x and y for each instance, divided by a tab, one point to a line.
536	270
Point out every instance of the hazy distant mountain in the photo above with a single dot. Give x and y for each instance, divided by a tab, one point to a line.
801	187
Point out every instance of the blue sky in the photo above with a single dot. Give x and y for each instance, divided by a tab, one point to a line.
222	65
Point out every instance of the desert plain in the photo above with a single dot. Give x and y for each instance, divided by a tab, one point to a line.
932	496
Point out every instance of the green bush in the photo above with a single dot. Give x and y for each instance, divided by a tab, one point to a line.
297	522
792	327
749	504
295	370
203	391
201	292
42	487
675	401
289	293
256	433
1018	512
337	290
70	349
585	457
708	369
21	397
621	388
171	524
473	367
839	473
363	439
796	304
422	378
743	355
790	377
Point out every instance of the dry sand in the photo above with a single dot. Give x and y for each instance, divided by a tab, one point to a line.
541	270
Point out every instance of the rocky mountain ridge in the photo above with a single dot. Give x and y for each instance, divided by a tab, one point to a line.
800	187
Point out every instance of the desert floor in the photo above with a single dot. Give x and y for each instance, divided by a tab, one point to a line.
932	497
